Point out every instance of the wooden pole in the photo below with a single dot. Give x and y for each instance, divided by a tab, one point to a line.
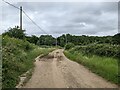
20	17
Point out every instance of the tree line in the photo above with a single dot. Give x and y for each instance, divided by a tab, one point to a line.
62	40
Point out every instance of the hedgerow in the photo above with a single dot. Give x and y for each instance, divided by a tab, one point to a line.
100	50
17	58
69	46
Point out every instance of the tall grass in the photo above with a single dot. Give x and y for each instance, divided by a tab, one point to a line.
18	57
104	66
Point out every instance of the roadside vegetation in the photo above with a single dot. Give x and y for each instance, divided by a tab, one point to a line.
18	56
100	54
101	59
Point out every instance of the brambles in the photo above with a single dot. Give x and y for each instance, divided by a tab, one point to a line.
69	46
102	59
100	50
107	67
18	57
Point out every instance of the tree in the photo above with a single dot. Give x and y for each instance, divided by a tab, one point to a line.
15	32
116	38
46	40
61	40
32	39
69	46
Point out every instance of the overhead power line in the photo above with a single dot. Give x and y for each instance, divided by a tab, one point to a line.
11	5
34	22
27	16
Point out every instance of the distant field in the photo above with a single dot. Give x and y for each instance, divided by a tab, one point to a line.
104	66
18	57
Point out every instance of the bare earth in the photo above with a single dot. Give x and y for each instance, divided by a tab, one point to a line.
56	71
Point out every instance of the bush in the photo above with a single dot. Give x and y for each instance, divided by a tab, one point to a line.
18	57
116	39
100	50
69	46
106	67
15	32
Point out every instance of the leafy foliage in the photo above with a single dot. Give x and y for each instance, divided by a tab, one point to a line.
106	67
46	40
15	32
32	39
116	39
18	57
69	46
102	59
83	40
62	40
100	50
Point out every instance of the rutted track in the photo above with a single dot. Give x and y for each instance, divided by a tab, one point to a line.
56	71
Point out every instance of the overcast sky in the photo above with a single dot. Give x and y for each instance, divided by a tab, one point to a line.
56	18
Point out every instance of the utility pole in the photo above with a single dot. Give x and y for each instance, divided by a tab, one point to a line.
20	17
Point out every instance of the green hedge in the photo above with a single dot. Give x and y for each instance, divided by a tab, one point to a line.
100	50
69	46
107	67
18	57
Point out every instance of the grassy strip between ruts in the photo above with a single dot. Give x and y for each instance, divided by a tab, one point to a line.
104	66
18	57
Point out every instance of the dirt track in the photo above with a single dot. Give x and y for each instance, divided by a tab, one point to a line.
56	71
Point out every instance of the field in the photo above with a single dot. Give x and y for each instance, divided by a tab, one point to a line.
18	57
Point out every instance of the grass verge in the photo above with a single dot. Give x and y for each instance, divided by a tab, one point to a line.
104	66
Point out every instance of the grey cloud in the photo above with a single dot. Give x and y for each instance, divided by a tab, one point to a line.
57	18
